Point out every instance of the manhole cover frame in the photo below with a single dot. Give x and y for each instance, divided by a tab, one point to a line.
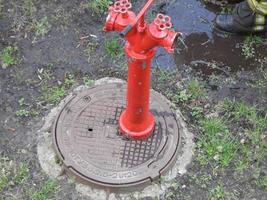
162	165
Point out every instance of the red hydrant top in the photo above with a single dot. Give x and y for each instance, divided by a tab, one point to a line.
140	36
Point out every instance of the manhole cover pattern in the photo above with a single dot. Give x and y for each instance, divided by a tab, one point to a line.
87	139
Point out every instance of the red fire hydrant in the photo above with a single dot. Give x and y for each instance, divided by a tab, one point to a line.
137	122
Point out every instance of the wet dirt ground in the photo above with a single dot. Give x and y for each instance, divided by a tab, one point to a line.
73	44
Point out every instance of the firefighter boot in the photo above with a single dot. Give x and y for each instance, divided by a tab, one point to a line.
245	18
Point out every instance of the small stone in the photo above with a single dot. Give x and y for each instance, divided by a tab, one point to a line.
242	141
11	183
220	148
24	151
213	115
207	106
216	157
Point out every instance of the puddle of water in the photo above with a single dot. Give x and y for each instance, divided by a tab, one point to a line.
191	16
204	44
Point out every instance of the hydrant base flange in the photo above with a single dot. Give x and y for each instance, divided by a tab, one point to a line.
140	133
88	142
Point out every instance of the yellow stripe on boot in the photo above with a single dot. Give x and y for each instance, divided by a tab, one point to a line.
259	19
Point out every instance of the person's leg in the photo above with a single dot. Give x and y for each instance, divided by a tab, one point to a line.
248	17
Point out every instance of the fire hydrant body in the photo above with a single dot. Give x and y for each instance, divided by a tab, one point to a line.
136	121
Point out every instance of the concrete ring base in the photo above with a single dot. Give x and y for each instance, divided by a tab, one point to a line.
49	162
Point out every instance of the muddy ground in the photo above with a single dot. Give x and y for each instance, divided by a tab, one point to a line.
49	47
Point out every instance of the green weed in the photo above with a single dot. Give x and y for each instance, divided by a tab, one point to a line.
195	90
248	47
170	195
69	80
182	97
187	197
23	113
98	7
8	56
261	82
204	180
161	77
48	190
29	7
5	172
113	48
241	112
262	182
24	110
216	143
226	10
41	27
12	172
88	82
217	193
54	94
61	17
192	92
21	174
197	112
253	146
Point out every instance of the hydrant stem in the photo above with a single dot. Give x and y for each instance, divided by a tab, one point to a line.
136	121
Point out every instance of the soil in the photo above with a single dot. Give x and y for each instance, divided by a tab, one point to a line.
75	44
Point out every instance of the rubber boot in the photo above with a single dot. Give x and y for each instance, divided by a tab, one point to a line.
242	20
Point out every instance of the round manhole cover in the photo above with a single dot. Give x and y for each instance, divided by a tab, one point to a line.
87	139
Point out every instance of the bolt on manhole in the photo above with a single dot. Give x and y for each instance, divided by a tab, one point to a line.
88	142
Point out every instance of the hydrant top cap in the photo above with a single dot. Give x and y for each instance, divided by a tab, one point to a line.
163	22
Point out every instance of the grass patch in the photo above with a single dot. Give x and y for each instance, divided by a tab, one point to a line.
248	46
216	143
5	172
218	193
21	174
29	8
221	143
14	177
24	110
8	56
54	94
197	112
261	83
161	77
11	172
193	91
98	7
41	27
113	48
262	182
253	122
248	115
88	82
47	191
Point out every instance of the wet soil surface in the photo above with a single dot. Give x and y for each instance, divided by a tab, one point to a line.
59	39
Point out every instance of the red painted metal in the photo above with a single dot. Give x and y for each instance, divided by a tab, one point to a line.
136	121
